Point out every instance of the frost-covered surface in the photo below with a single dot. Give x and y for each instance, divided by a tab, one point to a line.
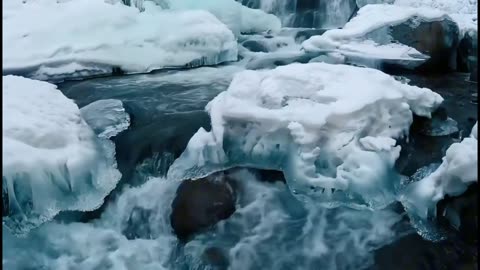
363	35
52	160
330	128
239	18
457	171
270	230
84	38
463	12
107	117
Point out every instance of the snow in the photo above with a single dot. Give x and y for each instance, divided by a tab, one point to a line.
85	38
362	36
458	170
327	127
239	18
107	117
463	12
52	160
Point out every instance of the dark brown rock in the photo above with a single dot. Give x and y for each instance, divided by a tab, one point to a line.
200	204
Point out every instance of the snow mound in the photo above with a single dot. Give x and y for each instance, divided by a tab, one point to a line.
239	18
365	35
458	170
85	38
331	129
52	160
107	117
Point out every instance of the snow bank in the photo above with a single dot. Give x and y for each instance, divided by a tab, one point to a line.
457	171
330	128
52	160
365	34
239	18
84	38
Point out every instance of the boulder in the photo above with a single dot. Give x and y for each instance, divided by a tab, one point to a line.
255	46
467	52
200	204
437	39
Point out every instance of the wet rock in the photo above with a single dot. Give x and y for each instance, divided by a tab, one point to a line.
254	46
467	50
305	34
412	252
438	39
200	204
461	213
216	258
473	69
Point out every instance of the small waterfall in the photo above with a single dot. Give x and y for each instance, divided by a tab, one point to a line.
307	13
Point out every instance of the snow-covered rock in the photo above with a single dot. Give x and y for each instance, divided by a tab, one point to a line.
331	129
84	38
375	33
458	170
107	117
52	160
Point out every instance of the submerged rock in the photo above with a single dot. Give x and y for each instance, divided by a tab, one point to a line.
201	203
438	39
305	34
254	46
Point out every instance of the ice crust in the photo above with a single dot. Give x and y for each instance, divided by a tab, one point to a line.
329	128
83	38
52	160
107	117
458	170
365	35
239	18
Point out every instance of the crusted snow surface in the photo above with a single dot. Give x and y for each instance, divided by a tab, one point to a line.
107	117
239	18
463	12
363	35
457	171
52	160
331	129
85	38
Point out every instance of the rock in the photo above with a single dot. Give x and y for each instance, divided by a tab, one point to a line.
467	52
254	46
305	34
438	39
412	252
215	257
461	213
473	68
201	203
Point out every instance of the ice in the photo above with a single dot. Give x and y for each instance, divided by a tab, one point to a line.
107	117
239	18
52	160
84	38
457	171
329	128
362	38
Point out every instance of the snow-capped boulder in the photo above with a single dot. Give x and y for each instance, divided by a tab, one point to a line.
331	129
52	160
